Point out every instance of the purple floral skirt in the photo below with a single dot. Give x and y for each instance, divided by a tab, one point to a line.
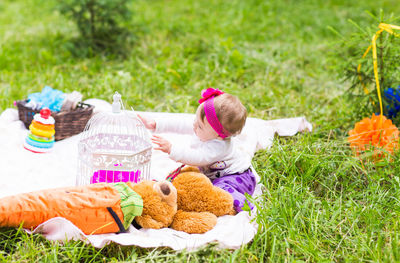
237	185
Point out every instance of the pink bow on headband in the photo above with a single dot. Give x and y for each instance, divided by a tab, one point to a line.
209	93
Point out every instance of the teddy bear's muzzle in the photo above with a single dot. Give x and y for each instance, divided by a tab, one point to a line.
167	192
165	189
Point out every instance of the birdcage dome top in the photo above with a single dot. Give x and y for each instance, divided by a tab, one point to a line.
118	132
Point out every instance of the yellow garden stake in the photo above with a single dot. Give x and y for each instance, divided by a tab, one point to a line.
375	62
359	68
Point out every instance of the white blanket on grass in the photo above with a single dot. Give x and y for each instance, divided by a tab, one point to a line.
24	171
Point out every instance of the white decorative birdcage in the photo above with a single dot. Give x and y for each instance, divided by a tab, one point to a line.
114	147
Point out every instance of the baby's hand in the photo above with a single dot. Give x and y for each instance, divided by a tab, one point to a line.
148	123
163	144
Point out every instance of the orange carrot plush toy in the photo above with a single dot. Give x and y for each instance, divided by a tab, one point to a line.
96	208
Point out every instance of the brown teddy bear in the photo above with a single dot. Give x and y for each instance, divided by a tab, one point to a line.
199	202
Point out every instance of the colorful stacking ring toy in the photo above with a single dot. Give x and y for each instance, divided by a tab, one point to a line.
41	136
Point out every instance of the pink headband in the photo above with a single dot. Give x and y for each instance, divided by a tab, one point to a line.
209	110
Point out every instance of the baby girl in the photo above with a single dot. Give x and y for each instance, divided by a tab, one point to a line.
219	117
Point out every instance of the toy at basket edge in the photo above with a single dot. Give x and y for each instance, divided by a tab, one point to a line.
40	138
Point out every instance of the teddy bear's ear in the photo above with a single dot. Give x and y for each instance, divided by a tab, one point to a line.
167	192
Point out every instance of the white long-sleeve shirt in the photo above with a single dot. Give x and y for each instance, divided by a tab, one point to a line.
215	158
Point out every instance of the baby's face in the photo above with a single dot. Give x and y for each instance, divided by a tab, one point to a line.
203	129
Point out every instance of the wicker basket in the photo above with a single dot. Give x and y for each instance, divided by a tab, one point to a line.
68	123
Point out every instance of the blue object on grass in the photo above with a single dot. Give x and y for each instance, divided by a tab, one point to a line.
48	98
393	97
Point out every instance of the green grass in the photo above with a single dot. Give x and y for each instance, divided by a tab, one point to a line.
320	203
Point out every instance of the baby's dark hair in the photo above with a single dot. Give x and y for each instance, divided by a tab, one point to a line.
230	112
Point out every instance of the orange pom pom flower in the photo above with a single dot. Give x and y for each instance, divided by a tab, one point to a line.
378	133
